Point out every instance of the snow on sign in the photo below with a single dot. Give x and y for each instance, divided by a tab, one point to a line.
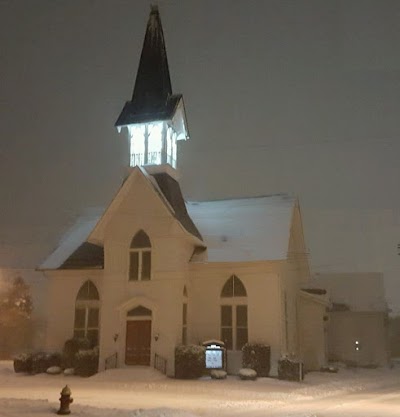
214	355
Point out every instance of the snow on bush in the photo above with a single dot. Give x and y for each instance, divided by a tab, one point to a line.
189	361
23	363
71	348
87	362
218	374
248	374
41	361
69	371
257	356
36	363
290	369
54	370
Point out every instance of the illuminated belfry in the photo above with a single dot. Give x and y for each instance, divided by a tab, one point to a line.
155	118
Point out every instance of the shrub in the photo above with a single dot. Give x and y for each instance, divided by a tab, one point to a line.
41	361
258	357
290	370
189	361
23	363
87	362
71	348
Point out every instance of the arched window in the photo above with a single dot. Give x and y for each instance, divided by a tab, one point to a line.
234	331
87	307
184	315
233	288
140	257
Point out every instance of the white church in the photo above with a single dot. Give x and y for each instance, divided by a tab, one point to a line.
153	271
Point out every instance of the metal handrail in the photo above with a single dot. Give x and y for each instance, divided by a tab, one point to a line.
160	363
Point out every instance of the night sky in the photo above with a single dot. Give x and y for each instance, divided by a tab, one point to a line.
281	96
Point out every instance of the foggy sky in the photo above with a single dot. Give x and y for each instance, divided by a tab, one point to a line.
281	96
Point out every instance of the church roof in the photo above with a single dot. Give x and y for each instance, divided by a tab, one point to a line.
152	97
87	255
236	230
245	229
75	252
172	192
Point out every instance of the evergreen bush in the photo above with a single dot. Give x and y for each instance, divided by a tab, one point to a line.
87	362
71	348
290	369
41	361
257	356
23	363
189	361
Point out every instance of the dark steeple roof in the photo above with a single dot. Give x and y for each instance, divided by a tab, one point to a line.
172	192
152	97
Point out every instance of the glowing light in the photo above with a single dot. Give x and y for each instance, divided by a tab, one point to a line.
152	144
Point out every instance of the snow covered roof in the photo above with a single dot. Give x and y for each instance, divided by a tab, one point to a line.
357	291
72	240
246	229
237	230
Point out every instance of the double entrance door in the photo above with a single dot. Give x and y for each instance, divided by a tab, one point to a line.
138	341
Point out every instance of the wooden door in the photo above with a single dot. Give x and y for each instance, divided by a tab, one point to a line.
138	340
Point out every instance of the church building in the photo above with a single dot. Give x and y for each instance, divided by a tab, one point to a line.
153	271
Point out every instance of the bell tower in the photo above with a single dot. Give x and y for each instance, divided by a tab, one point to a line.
155	117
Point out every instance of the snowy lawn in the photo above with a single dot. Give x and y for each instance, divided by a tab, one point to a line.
143	392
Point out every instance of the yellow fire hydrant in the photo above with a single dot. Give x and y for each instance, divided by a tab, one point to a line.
65	401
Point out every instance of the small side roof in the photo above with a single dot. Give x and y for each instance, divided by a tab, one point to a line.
245	229
72	251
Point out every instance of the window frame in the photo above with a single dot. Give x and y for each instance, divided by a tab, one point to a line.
233	302
141	252
87	305
185	307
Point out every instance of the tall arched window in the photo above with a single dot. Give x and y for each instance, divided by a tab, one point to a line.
140	257
184	315
234	331
87	306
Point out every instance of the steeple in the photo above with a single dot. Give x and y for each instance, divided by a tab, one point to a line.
155	118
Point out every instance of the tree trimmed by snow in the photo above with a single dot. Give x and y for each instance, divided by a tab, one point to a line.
15	318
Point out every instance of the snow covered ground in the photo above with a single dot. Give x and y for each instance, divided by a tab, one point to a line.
143	392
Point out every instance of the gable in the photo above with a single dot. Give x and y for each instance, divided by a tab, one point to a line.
148	196
82	246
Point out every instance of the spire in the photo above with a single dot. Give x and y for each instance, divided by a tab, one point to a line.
155	118
152	80
152	97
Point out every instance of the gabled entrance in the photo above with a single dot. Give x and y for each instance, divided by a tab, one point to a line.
138	337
